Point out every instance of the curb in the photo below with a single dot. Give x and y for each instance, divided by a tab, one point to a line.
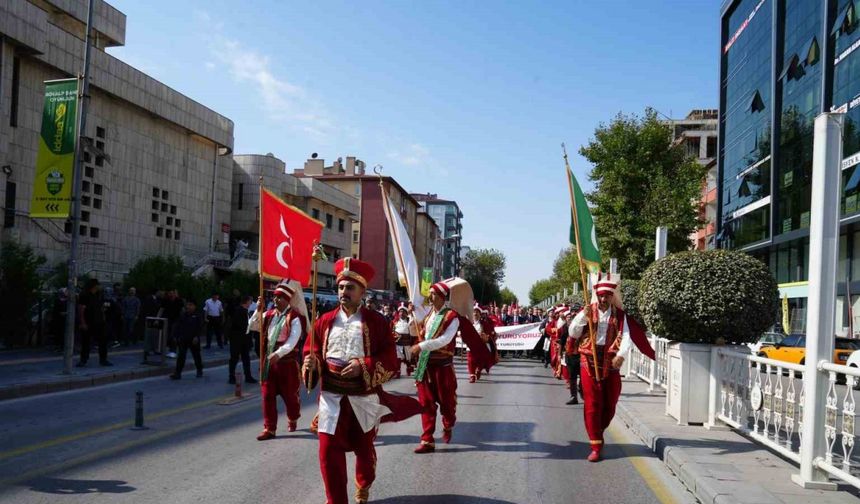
64	383
696	478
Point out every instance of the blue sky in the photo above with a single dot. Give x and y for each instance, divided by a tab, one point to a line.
467	99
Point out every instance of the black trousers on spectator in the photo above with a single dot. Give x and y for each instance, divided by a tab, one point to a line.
214	327
184	345
100	336
255	342
573	369
240	346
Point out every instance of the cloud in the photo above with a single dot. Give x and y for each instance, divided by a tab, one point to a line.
209	65
413	155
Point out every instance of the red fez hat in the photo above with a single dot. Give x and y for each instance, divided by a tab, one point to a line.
442	289
285	289
355	270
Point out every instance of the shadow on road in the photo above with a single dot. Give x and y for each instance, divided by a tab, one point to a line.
71	487
436	499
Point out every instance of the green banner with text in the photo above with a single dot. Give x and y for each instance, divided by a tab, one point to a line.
55	161
426	281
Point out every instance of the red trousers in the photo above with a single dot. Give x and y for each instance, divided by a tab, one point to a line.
348	436
439	386
600	398
471	365
283	381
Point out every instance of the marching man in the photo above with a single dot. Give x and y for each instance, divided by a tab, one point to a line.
604	333
484	327
283	327
351	353
405	335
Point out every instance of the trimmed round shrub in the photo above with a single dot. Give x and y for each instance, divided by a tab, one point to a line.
709	297
630	297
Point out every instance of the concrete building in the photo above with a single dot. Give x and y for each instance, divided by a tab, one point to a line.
337	210
782	64
449	218
697	132
164	187
371	241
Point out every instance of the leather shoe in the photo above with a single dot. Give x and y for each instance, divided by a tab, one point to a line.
446	435
250	379
425	448
291	426
472	379
266	434
573	400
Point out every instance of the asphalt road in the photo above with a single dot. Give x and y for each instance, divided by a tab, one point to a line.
515	442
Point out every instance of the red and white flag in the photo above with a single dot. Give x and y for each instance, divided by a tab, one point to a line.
287	238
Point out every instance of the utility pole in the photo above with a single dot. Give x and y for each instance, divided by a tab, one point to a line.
83	98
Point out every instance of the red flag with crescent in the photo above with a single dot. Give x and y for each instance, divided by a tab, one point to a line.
287	238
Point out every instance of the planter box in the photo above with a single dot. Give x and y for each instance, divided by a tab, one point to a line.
688	375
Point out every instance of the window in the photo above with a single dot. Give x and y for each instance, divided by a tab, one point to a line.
315	213
155	218
94	232
328	220
9	213
173	209
85	216
176	222
16	89
756	102
155	192
341	225
164	207
170	221
355	237
176	235
711	147
85	200
100	132
159	232
357	190
155	205
168	233
85	186
97	189
87	157
100	161
100	145
241	196
164	195
67	228
82	231
97	203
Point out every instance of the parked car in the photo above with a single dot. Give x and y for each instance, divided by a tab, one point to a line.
793	349
766	339
854	361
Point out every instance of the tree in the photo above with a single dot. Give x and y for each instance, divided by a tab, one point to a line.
508	297
484	269
19	284
642	180
543	289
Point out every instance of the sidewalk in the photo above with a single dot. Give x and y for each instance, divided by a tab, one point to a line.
40	371
718	467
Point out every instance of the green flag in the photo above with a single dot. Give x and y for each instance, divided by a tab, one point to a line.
581	221
55	159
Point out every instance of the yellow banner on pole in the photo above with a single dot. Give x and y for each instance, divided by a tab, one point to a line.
55	160
786	321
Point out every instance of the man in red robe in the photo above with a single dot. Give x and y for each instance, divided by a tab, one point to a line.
351	353
484	328
605	334
282	328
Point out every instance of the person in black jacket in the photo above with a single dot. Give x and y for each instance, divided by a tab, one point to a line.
240	341
187	333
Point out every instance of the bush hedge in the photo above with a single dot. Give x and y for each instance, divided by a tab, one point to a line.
630	297
709	297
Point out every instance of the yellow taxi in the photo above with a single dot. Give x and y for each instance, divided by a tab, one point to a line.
793	349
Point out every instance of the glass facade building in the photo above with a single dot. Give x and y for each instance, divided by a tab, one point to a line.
783	62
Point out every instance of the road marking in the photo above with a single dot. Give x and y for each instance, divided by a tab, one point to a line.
101	430
148	437
641	464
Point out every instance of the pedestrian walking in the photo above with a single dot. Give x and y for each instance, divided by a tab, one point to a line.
172	306
91	323
130	313
213	310
187	332
240	341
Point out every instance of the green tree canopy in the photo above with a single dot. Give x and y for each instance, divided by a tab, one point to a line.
543	289
484	269
508	297
642	180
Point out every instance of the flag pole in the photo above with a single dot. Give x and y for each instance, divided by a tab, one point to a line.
585	290
317	255
262	296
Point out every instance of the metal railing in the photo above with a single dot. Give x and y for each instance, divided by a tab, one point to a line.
839	418
651	372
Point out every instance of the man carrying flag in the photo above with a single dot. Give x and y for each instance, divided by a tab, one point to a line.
282	328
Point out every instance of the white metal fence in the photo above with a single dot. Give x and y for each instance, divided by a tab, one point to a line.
651	372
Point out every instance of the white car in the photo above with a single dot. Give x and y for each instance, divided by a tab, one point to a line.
766	339
854	361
